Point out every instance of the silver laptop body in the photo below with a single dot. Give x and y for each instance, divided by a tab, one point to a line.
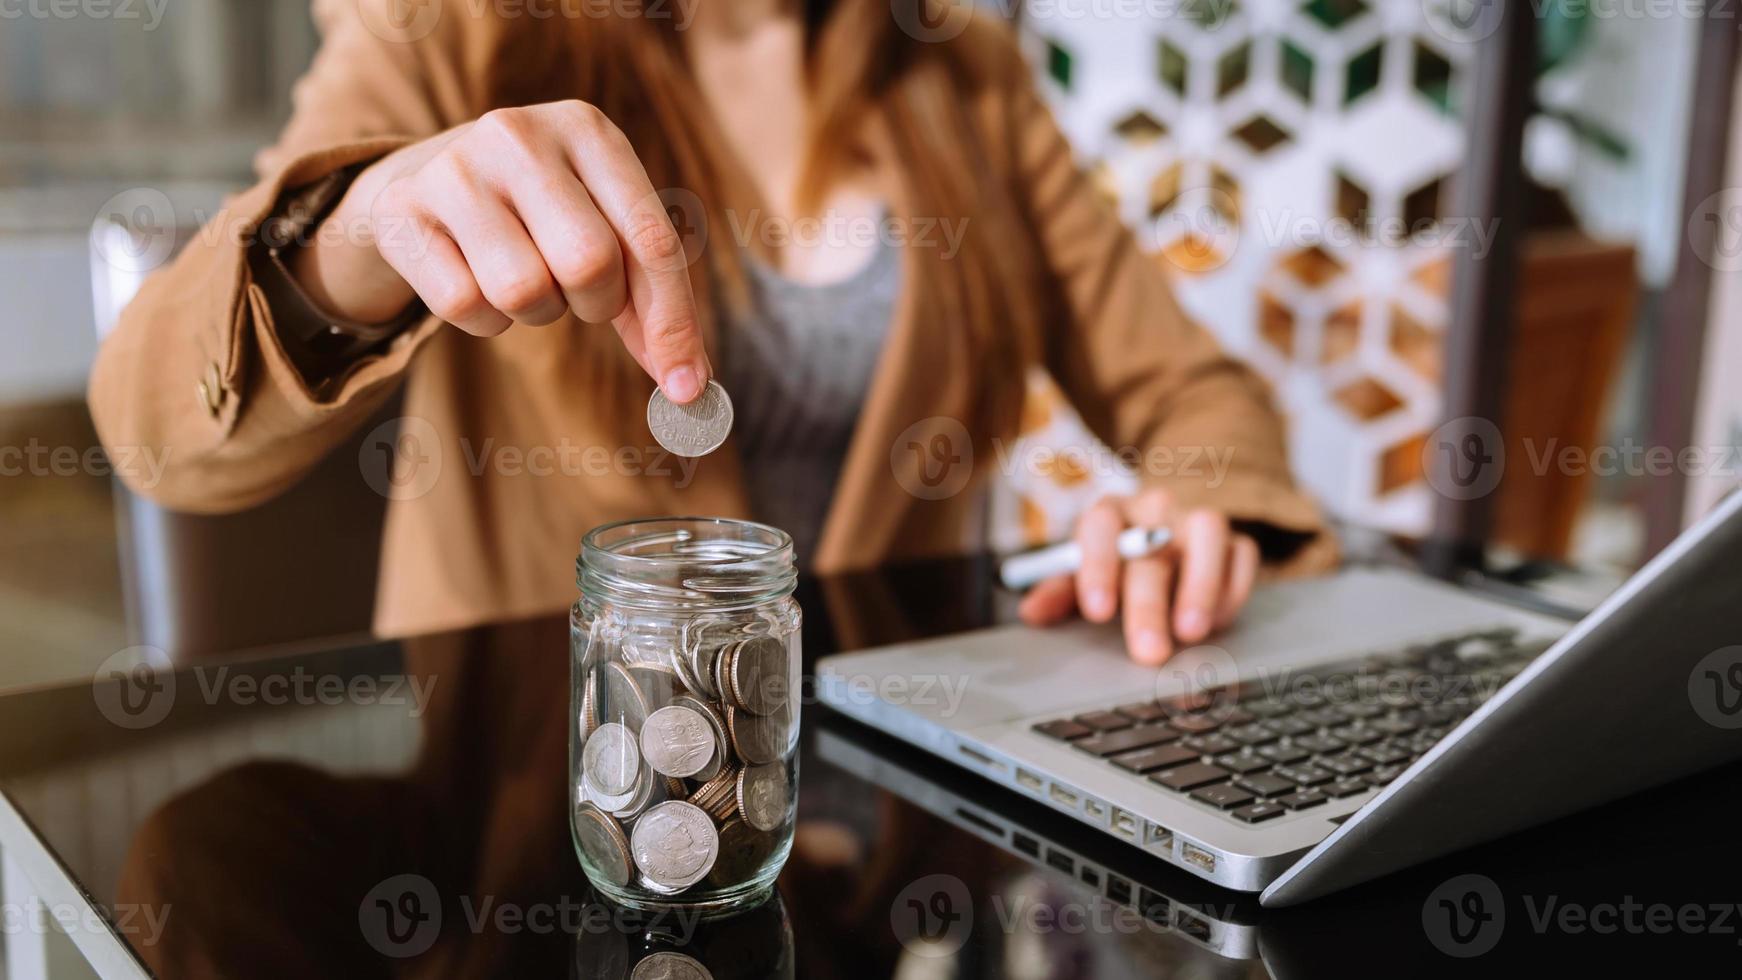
1631	696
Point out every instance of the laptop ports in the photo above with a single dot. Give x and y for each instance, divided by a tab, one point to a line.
1124	824
1157	838
1064	796
1028	780
1198	857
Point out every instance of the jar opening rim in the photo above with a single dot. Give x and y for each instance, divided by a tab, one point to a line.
772	544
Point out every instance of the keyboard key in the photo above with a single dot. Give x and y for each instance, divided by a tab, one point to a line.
1357	710
1224	796
1104	721
1284	754
1358	734
1195	724
1064	728
1265	784
1345	787
1252	734
1267	707
1392	726
1440	714
1290	726
1151	759
1319	743
1142	711
1190	703
1305	775
1322	717
1233	714
1212	744
1186	778
1385	753
1385	774
1348	764
1139	737
1242	762
1303	800
1259	812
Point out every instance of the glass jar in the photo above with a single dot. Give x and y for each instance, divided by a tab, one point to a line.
683	733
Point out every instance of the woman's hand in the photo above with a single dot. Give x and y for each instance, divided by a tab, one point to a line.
519	216
1186	591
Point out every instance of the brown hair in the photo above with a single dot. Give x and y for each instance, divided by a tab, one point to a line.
865	75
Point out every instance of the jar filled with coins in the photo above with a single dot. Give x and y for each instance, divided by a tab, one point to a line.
683	736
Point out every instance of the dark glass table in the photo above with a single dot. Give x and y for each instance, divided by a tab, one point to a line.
398	809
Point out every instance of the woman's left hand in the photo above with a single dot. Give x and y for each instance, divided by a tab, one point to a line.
1183	593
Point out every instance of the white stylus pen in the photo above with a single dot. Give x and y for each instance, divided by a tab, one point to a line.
1021	571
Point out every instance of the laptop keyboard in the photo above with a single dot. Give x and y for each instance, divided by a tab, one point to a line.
1294	740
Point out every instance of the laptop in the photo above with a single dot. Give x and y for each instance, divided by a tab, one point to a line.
1347	726
1168	901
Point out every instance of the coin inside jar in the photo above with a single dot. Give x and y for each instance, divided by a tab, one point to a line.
604	843
611	760
695	429
759	674
717	725
676	741
763	796
674	844
666	965
760	739
625	701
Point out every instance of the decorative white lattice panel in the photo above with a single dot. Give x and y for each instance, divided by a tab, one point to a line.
1286	164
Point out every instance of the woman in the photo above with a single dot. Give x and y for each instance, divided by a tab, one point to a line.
466	190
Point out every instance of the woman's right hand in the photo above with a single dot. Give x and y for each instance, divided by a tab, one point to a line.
519	217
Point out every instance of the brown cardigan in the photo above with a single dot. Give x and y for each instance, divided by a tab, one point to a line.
476	533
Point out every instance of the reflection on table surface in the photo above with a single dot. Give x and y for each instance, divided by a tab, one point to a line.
400	809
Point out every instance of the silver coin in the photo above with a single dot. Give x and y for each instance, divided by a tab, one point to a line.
674	844
611	760
676	741
589	714
761	739
625	699
655	887
763	796
602	840
667	965
696	429
612	803
648	789
759	674
718	725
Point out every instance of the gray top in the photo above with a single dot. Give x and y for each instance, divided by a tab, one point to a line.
798	366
